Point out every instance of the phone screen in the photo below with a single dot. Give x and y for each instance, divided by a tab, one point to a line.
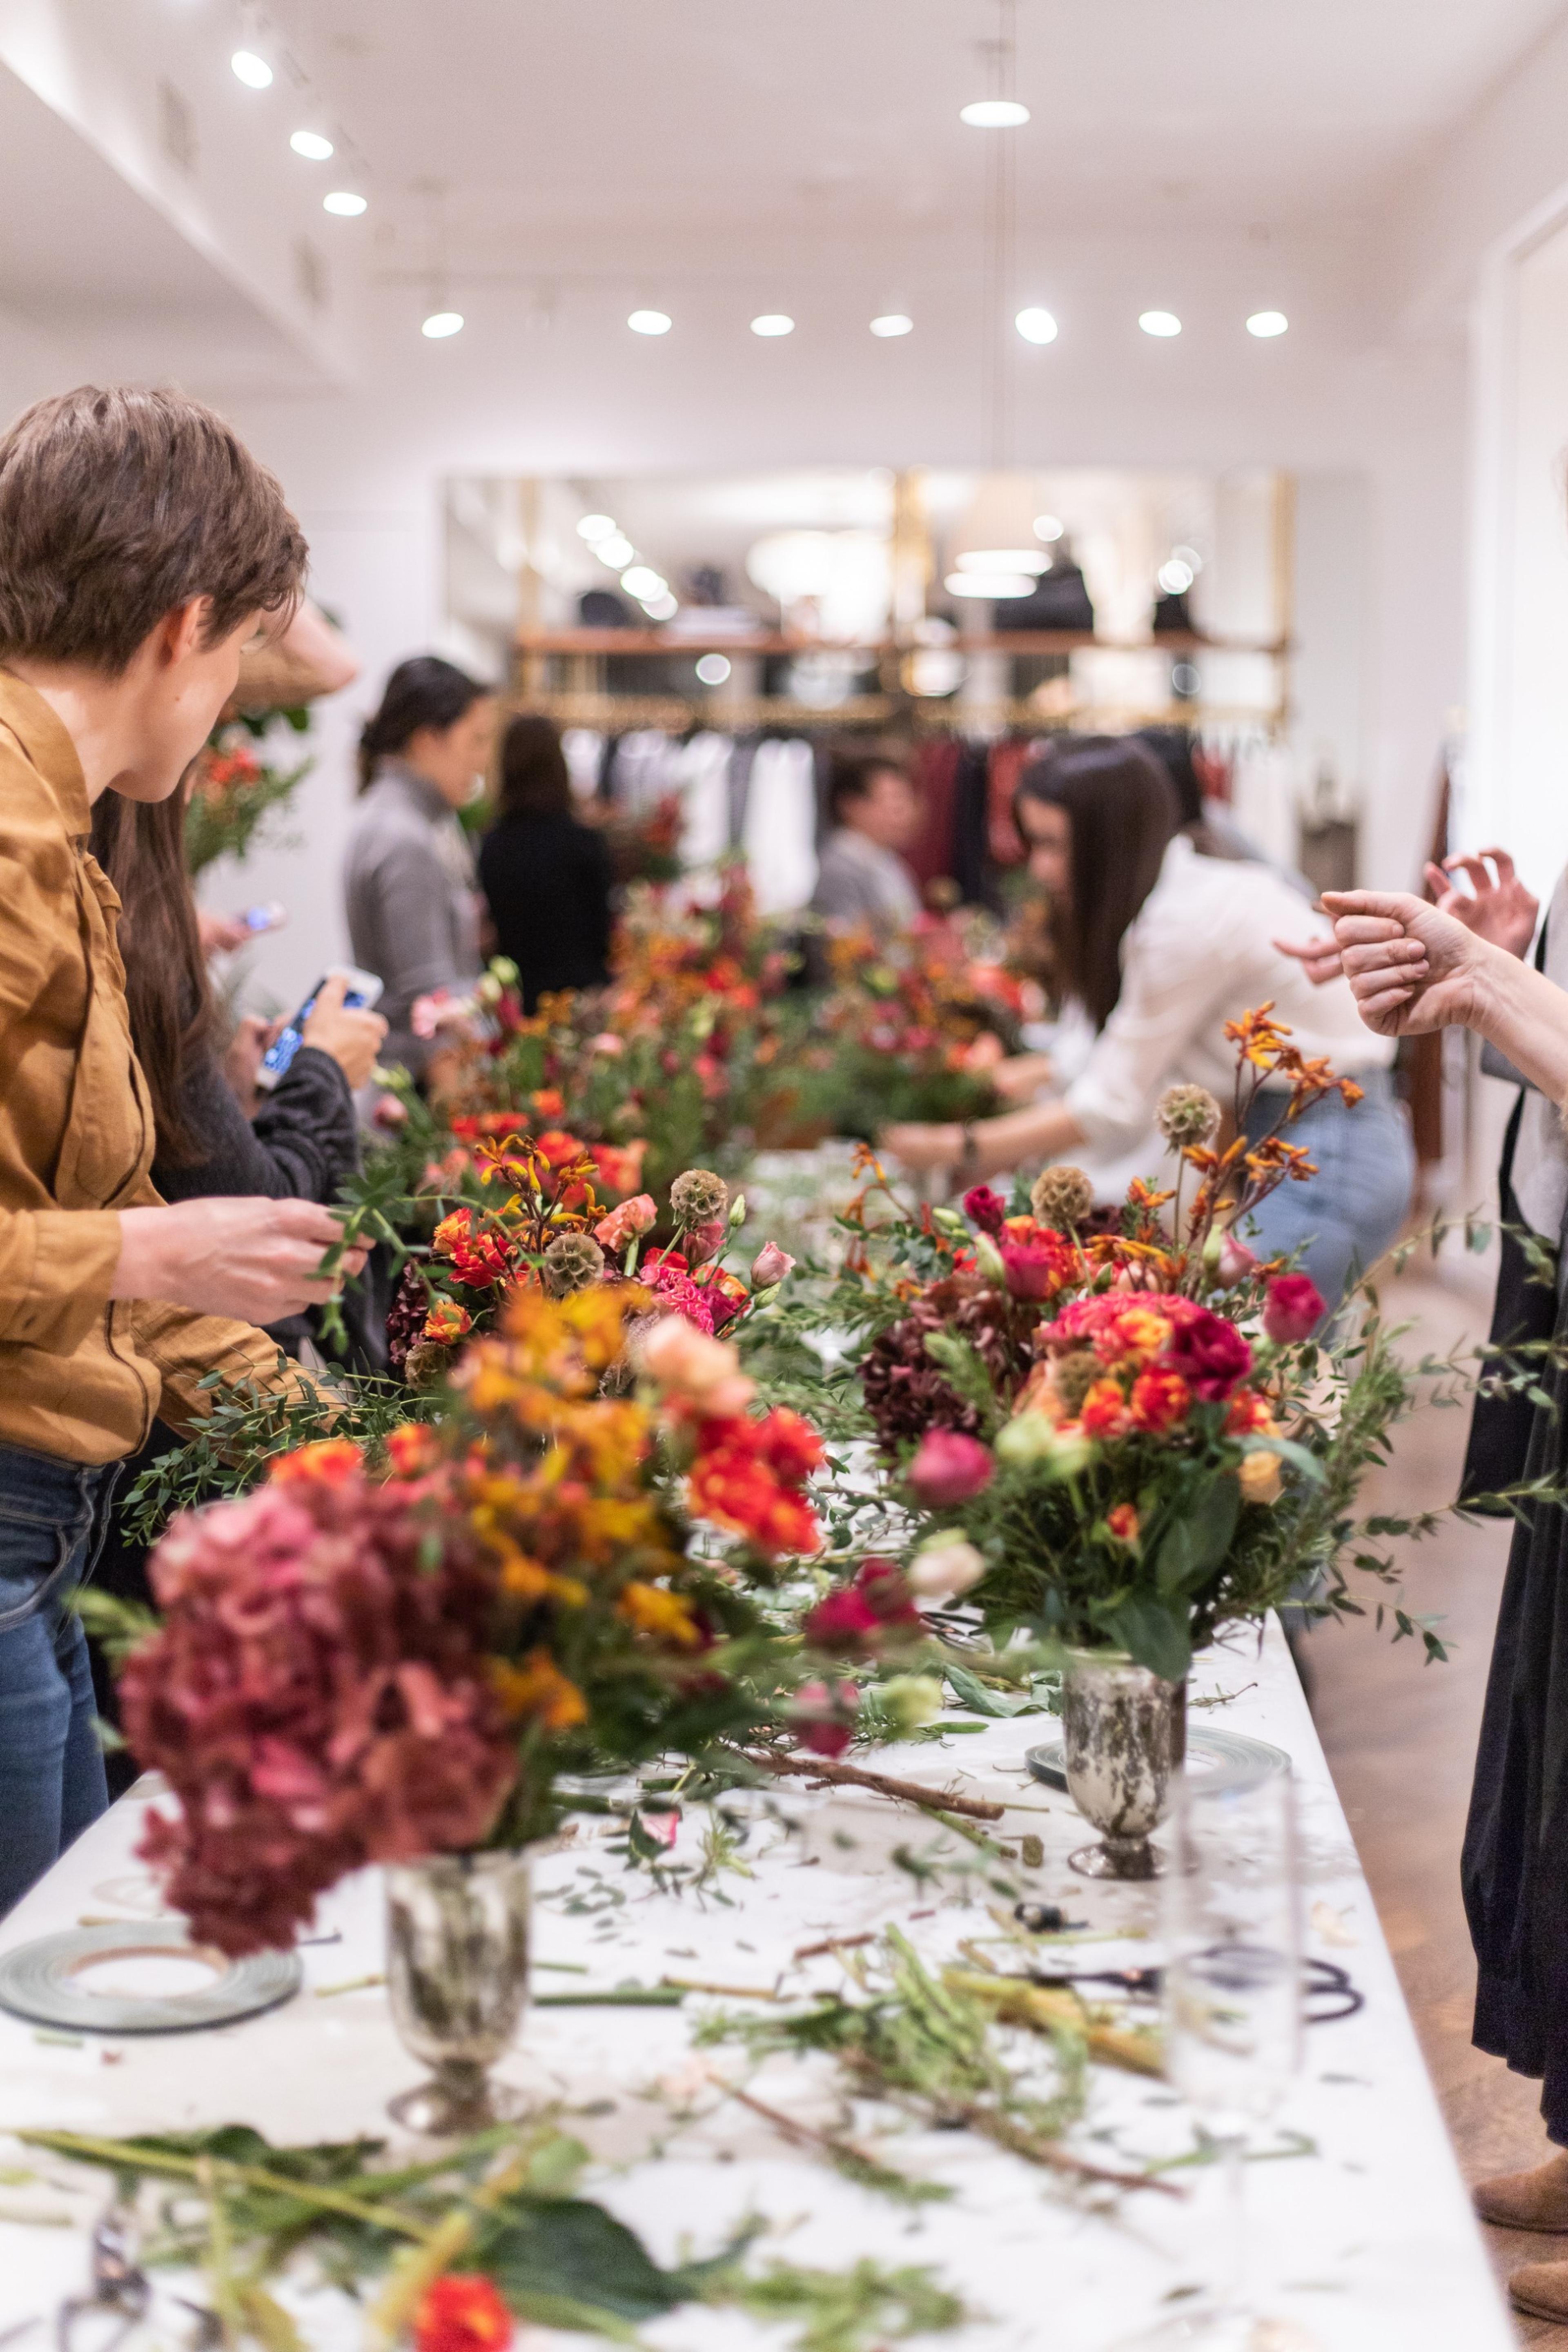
275	1061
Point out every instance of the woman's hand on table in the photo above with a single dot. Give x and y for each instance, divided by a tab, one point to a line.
1020	1077
922	1147
1411	968
254	1260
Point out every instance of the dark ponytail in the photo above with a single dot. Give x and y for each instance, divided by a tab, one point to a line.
423	692
1125	814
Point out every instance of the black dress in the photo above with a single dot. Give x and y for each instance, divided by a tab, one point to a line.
1514	1866
547	880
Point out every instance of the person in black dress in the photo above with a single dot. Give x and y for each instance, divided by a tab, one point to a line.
546	878
1415	969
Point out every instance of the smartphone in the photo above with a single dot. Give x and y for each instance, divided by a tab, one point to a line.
270	917
363	989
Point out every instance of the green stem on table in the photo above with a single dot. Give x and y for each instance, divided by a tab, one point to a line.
125	2155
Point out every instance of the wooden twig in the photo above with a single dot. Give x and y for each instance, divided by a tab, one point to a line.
824	1770
830	1943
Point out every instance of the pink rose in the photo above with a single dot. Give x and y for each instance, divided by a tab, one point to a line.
949	1469
1295	1308
824	1717
985	1207
771	1265
623	1224
1237	1263
1035	1269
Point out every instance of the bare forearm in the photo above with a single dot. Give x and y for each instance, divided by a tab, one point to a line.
1525	1016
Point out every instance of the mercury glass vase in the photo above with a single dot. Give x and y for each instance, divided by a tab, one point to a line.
457	1930
1124	1733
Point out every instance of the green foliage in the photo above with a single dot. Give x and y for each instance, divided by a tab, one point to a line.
505	2200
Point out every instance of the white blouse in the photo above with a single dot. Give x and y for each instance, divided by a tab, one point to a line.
1199	953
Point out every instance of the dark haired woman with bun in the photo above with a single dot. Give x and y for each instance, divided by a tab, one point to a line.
408	877
1160	947
546	878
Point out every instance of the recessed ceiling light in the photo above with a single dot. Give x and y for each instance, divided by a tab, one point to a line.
345	203
1047	526
1175	576
994	114
773	322
892	323
997	584
617	551
1037	326
714	670
1264	323
441	323
643	582
649	322
1159	323
661	608
596	527
312	145
253	71
994	560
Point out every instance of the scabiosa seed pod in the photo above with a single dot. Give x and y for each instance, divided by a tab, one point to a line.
1062	1197
1072	1377
573	1262
698	1196
1186	1114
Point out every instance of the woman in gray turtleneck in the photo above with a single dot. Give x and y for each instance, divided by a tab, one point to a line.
408	877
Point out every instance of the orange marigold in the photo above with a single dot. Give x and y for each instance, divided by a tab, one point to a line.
1104	1411
1122	1521
667	1616
329	1462
540	1689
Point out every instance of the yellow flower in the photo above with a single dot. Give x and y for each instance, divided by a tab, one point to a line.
538	1688
1259	1476
666	1615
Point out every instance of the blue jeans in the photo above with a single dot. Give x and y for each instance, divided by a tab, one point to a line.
1351	1210
51	1768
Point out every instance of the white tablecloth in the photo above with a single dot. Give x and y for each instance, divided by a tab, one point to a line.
1368	2243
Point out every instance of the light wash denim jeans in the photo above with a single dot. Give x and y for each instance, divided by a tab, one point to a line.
1351	1210
51	1768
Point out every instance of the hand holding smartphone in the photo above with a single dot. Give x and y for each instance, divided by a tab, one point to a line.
362	991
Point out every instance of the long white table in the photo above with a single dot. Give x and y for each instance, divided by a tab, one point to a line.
1366	2246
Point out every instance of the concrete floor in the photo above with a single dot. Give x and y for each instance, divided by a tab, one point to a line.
1400	1739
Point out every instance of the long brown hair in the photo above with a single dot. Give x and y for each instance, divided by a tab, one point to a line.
1124	815
424	691
140	845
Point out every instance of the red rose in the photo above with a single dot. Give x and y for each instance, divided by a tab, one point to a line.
1034	1269
949	1469
1295	1308
843	1621
985	1209
461	2312
1210	1353
881	1586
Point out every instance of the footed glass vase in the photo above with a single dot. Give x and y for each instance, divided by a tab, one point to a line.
1125	1731
458	1929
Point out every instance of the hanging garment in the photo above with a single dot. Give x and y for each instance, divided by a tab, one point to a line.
972	869
584	751
934	855
643	770
1009	761
779	834
700	771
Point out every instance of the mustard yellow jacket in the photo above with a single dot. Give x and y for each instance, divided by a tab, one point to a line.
80	1376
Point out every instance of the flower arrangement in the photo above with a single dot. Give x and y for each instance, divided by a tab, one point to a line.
535	1217
233	790
1137	1432
355	1667
911	1028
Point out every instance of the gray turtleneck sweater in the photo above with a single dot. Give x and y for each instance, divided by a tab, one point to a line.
408	880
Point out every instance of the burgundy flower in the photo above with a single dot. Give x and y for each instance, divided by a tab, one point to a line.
316	1695
1209	1353
949	1469
1295	1308
845	1620
881	1584
985	1207
823	1717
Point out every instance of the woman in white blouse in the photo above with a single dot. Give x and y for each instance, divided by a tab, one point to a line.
1162	946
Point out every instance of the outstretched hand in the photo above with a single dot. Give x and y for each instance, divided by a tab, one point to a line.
1498	908
1411	967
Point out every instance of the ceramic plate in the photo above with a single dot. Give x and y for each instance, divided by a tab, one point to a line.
51	1981
1224	1760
